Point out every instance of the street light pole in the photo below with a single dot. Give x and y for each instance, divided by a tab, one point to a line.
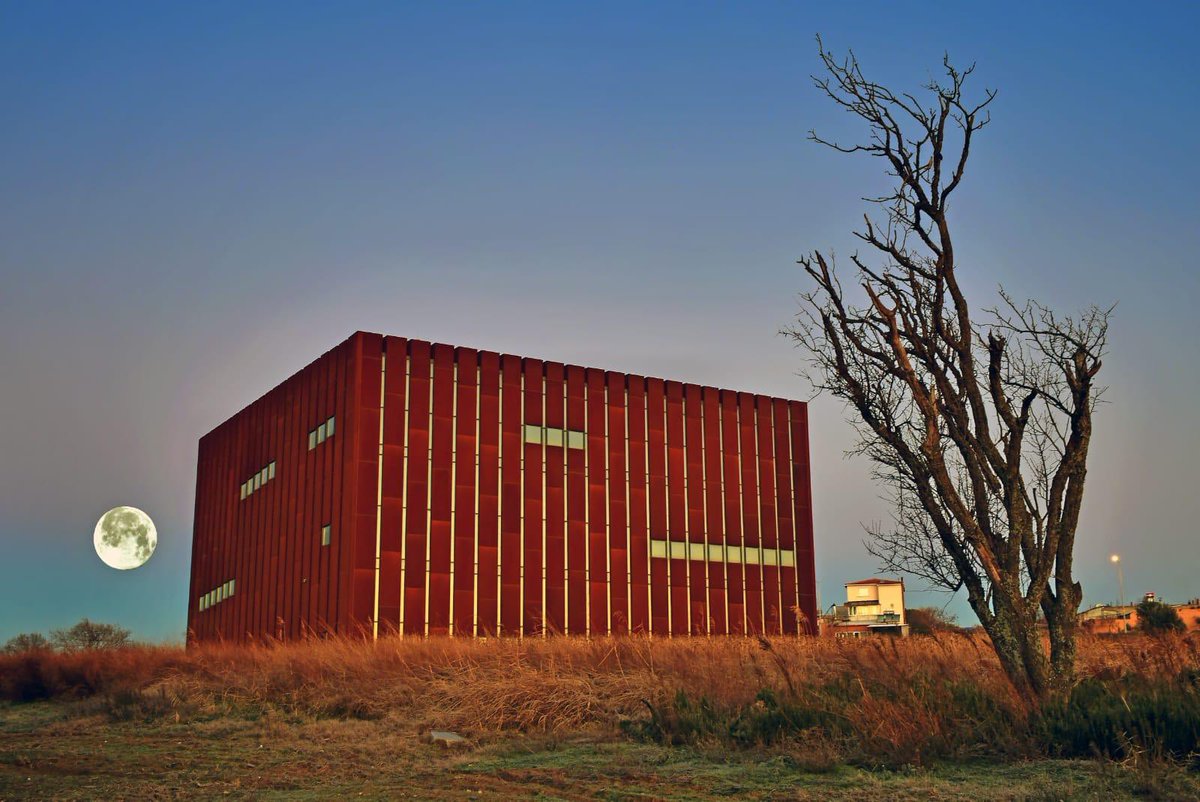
1116	560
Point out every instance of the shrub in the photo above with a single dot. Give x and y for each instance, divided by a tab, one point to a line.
1117	718
90	635
26	642
1155	617
930	621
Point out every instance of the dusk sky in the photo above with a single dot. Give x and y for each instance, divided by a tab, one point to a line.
197	201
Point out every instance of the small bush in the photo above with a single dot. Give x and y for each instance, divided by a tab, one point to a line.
1125	717
22	680
131	704
26	642
90	635
1155	617
931	621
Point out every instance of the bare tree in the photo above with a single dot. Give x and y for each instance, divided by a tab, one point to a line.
90	635
978	430
26	642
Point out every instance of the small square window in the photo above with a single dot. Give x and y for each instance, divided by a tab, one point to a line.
554	437
533	434
576	440
312	439
326	535
271	471
329	427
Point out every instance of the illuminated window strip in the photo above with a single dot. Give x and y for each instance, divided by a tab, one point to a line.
217	595
259	479
320	434
551	436
721	552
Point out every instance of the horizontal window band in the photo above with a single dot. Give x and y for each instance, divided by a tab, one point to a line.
718	552
552	436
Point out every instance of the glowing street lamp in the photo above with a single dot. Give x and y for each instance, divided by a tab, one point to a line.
1116	561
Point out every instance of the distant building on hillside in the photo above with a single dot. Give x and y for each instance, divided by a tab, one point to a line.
1112	619
873	607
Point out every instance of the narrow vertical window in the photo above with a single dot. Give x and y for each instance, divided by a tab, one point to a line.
312	439
271	470
321	433
257	481
232	586
329	427
326	535
243	490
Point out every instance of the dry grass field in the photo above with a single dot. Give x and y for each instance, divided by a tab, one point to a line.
603	718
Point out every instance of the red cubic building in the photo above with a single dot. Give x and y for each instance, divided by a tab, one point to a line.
396	485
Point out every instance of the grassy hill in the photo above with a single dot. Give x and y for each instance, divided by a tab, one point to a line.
569	718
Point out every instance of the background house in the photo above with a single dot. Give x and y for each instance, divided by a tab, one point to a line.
1109	619
873	607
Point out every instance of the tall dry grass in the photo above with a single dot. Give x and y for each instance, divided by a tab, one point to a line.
900	698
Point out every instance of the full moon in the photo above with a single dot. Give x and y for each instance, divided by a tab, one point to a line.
125	538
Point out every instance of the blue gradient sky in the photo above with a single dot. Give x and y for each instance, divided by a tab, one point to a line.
197	201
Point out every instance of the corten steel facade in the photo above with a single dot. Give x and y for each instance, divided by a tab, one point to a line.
396	485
